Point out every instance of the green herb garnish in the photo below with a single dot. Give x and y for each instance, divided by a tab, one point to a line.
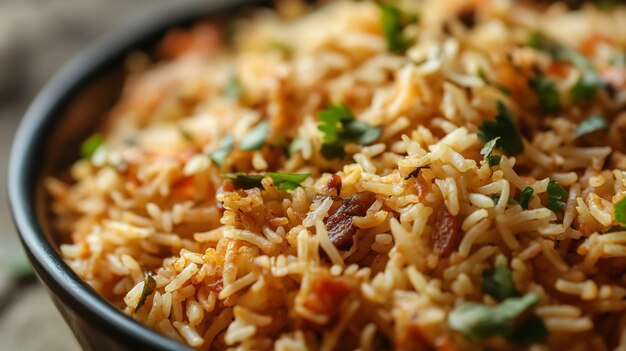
506	129
587	86
486	151
478	322
255	139
589	83
233	89
620	211
591	124
391	21
149	285
556	196
498	283
545	90
339	127
226	145
496	197
525	197
92	144
284	181
529	331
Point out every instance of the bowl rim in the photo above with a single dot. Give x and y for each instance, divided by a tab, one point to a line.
31	136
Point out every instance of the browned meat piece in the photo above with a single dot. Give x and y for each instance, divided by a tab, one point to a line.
339	224
445	236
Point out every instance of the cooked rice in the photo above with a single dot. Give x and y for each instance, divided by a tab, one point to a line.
258	268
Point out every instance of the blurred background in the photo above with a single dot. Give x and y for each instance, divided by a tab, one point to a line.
36	38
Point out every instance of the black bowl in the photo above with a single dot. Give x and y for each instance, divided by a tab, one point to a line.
67	110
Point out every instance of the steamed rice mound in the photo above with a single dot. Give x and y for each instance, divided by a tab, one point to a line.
432	175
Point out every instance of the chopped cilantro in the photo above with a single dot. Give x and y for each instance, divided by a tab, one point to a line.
233	89
496	197
587	86
288	181
92	144
506	129
226	145
149	285
478	322
339	126
284	181
498	283
620	211
529	331
255	139
591	124
525	197
391	22
589	83
546	92
486	151
556	196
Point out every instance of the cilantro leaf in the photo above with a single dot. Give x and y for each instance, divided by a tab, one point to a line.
284	181
496	197
589	83
255	139
620	211
391	22
556	196
592	124
149	285
288	181
529	331
587	86
478	322
89	146
498	283
506	129
525	197
361	132
545	90
488	149
339	127
558	51
226	145
233	89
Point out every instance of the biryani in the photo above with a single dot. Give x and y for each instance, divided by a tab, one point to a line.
418	175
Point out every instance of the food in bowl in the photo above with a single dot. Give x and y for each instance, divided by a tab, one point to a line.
443	175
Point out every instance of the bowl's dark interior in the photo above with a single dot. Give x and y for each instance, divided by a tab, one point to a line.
67	111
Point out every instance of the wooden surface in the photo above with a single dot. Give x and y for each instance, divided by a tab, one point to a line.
36	38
